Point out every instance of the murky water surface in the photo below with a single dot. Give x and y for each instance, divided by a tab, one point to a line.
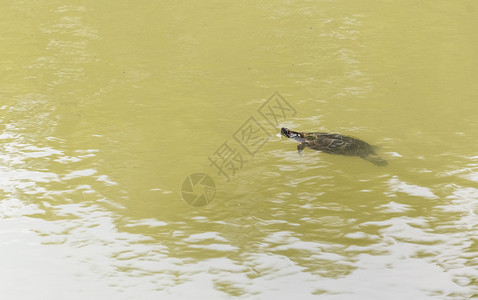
107	107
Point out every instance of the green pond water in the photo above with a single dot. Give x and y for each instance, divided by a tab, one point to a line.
108	107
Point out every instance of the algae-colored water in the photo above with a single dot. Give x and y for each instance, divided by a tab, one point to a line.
106	108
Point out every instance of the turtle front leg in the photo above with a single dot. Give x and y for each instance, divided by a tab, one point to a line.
300	147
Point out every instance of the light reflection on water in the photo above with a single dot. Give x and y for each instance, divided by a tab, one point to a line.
89	208
392	248
247	249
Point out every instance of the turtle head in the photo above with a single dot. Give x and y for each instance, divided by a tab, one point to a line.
299	137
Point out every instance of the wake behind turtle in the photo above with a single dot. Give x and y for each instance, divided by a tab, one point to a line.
334	144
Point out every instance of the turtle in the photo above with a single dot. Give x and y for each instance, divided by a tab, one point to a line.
334	143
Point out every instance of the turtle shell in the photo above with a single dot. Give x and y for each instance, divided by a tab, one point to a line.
337	144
